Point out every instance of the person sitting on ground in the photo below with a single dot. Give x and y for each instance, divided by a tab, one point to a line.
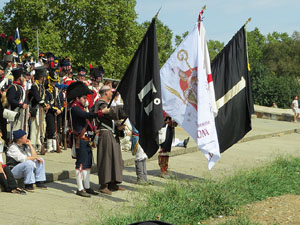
180	143
7	179
24	162
295	108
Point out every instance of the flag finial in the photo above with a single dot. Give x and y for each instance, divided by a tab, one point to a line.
249	19
156	15
201	13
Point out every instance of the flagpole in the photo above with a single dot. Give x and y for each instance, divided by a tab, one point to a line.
37	43
246	23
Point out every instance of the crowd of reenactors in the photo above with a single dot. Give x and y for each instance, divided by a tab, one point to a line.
46	106
34	97
55	107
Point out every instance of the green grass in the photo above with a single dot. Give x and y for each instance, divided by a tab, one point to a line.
189	202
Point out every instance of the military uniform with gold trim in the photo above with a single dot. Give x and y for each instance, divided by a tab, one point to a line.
55	100
38	106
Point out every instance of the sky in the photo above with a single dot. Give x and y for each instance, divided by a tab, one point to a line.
222	18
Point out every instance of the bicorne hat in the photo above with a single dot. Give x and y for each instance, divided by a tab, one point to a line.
77	89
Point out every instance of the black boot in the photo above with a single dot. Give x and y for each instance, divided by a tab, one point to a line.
186	141
91	191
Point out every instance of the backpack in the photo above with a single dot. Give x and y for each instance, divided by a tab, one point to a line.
4	100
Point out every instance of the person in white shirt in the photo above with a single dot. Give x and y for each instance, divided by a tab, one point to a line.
295	108
7	179
24	162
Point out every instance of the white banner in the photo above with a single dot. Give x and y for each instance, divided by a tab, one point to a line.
186	93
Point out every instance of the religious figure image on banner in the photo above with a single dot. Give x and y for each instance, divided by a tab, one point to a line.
188	85
188	95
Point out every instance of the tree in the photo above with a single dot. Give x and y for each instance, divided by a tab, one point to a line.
179	39
88	31
256	43
28	16
214	48
164	40
281	55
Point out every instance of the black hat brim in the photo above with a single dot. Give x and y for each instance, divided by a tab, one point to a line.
77	89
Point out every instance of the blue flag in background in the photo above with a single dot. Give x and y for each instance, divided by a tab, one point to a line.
18	42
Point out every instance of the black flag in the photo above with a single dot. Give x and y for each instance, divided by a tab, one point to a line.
141	92
233	91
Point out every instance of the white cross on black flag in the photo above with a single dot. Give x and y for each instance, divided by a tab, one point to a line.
141	92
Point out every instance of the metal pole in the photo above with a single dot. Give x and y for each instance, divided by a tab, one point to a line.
37	43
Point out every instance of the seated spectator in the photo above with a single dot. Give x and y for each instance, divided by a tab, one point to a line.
7	179
180	143
24	162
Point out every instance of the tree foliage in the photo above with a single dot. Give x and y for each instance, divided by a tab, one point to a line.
88	31
164	40
107	32
275	67
179	39
214	48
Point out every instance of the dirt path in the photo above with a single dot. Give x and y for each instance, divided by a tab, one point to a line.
274	210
